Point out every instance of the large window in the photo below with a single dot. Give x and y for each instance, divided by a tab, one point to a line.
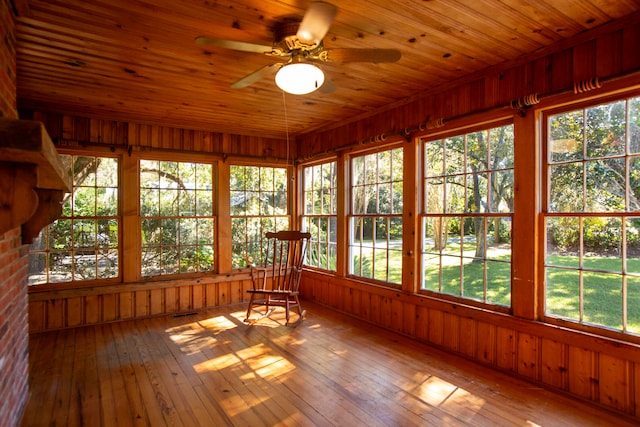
176	217
319	217
83	243
258	203
375	226
592	259
467	212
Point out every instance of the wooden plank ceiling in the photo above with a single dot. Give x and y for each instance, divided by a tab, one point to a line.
136	60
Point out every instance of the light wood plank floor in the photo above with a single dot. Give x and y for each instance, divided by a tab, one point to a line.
210	369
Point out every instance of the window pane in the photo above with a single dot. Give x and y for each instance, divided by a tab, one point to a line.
565	188
595	173
258	204
376	224
176	201
83	243
469	256
562	293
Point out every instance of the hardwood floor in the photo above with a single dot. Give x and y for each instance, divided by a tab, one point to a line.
210	369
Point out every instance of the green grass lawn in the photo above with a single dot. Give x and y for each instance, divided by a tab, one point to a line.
602	300
465	276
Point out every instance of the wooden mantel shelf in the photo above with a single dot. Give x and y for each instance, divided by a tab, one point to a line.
33	179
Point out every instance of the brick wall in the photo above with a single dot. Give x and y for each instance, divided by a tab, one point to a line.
14	334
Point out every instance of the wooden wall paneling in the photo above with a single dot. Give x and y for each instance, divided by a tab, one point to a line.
55	314
224	289
608	56
362	300
171	300
451	332
141	303
553	366
528	354
486	343
468	337
635	390
613	382
92	313
505	349
422	323
436	326
37	318
197	294
156	301
185	298
373	310
630	43
211	294
562	70
584	61
409	318
236	291
386	312
397	315
582	376
74	311
109	307
125	305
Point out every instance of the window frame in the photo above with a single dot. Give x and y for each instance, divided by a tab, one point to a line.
351	216
178	217
462	131
287	217
118	217
580	324
321	247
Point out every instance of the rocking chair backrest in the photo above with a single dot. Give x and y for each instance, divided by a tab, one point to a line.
284	256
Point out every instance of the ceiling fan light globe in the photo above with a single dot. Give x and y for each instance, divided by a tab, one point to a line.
299	78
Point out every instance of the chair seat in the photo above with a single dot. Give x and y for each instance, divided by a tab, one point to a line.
272	291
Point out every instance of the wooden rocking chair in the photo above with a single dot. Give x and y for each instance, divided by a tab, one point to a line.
276	282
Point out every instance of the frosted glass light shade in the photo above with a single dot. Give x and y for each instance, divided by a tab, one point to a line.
299	78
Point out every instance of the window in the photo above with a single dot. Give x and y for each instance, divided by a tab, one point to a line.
319	218
467	212
83	243
176	217
592	225
259	203
375	226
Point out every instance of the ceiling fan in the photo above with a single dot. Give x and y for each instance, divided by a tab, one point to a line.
299	44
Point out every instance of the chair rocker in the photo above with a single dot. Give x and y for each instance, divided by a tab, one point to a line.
276	282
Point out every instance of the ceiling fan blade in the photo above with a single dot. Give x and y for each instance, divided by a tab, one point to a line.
233	44
316	22
360	55
256	75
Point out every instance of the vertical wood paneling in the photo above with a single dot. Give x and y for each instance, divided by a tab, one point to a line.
409	317
125	305
109	308
505	349
141	303
156	301
582	380
486	343
528	355
553	363
397	319
422	323
451	325
436	327
74	311
37	316
613	382
467	342
92	314
55	314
